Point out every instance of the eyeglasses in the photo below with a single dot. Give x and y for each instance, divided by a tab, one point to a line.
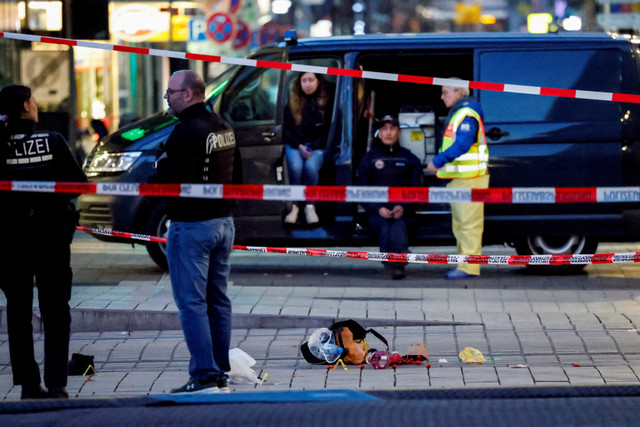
172	91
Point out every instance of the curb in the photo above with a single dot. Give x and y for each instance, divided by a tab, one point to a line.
92	320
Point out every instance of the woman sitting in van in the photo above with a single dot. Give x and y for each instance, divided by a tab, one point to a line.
306	127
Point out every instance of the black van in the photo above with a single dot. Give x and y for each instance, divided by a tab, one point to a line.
534	141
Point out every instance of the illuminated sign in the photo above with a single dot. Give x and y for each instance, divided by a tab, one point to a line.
136	22
538	23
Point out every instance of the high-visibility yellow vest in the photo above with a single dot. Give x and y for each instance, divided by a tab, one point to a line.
474	162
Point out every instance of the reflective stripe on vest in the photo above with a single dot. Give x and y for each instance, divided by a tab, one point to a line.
474	162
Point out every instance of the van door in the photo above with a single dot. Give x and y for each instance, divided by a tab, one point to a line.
546	141
551	141
421	114
249	104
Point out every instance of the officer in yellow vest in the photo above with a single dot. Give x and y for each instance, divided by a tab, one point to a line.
463	159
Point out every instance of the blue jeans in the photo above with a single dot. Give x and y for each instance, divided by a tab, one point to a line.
198	257
303	171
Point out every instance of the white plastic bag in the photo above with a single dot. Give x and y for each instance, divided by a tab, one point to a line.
241	371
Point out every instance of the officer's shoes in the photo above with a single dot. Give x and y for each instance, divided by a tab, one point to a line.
33	391
58	393
457	274
398	272
388	265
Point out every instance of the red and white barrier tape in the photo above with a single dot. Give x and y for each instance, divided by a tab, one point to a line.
536	195
406	78
126	235
567	259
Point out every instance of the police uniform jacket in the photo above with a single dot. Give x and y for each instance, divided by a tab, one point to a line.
389	166
36	155
200	150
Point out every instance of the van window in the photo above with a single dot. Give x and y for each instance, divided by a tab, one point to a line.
593	70
253	98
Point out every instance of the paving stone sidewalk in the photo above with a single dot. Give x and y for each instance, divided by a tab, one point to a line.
582	331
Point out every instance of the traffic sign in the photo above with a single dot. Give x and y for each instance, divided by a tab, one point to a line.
221	27
243	36
234	6
268	34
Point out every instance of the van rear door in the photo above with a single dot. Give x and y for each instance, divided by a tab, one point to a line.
546	141
552	141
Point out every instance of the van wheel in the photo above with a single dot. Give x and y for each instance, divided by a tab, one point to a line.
556	245
158	225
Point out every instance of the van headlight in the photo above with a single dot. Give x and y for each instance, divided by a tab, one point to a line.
112	162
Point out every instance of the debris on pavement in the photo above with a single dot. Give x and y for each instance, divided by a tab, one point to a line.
241	371
471	355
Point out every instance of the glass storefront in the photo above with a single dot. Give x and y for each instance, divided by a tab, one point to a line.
114	88
9	62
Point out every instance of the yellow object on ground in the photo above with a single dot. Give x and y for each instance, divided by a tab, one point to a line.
471	355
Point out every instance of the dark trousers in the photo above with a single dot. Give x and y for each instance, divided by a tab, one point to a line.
392	234
37	247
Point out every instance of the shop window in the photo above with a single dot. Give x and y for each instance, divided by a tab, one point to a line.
41	15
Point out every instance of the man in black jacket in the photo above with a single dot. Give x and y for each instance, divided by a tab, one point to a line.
390	165
37	229
201	149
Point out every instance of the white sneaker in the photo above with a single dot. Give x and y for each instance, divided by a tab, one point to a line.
292	217
310	213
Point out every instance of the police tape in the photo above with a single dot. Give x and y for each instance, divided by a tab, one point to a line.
124	234
356	194
564	259
372	75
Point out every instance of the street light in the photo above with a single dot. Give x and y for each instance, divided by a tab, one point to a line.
280	7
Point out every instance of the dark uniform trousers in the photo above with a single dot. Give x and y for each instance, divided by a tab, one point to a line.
393	234
37	245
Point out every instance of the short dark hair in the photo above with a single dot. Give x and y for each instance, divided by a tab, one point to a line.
12	99
193	82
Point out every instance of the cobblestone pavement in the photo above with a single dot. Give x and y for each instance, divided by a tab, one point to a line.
562	329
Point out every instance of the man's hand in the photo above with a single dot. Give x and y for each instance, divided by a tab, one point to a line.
397	211
431	168
385	213
305	151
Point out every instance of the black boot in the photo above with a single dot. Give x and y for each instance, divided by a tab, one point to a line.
33	391
58	392
398	272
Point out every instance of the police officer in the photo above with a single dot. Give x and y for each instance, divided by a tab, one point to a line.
201	149
37	229
389	164
463	159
